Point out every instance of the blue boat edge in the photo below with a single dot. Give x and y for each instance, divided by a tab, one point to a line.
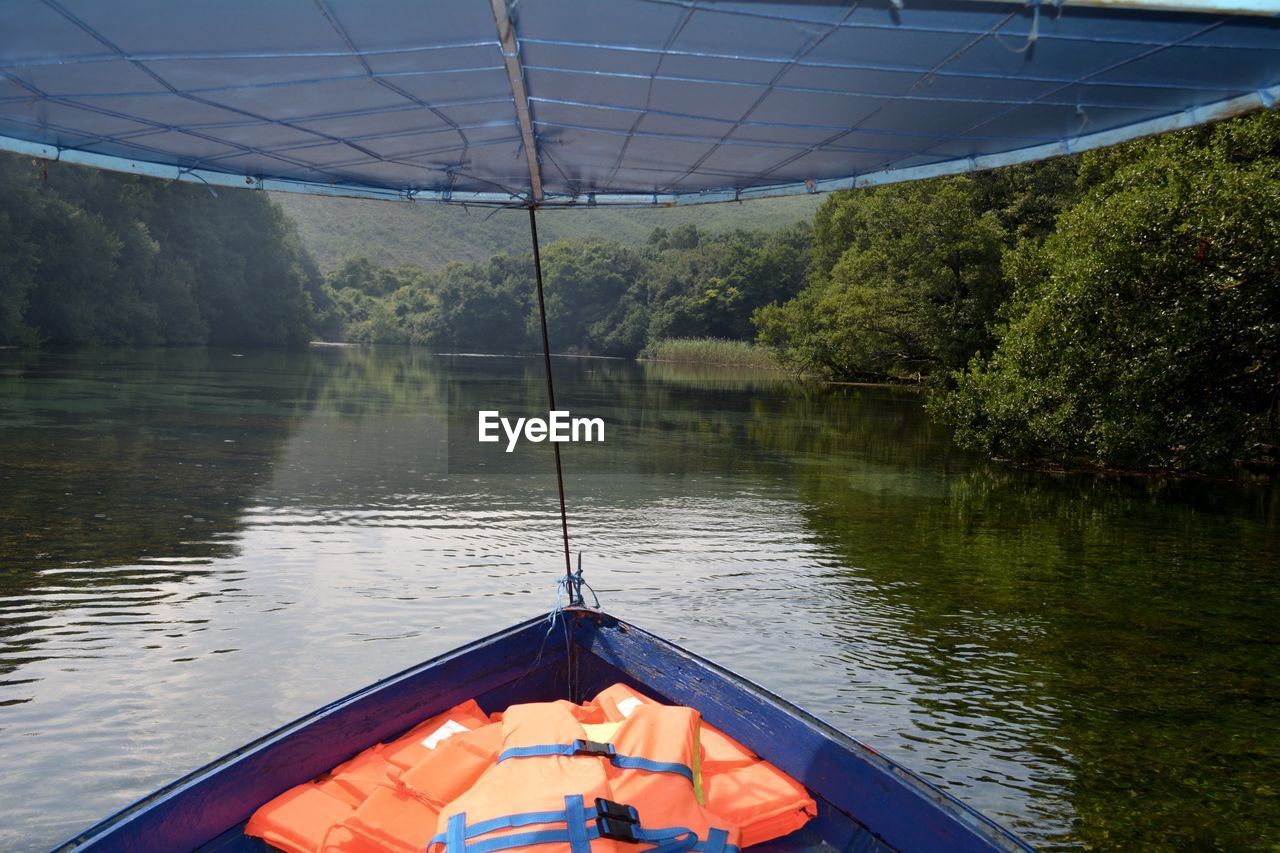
839	770
866	801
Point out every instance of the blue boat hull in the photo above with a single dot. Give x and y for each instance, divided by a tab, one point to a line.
865	801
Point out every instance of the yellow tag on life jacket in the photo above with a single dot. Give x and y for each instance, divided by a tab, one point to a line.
601	732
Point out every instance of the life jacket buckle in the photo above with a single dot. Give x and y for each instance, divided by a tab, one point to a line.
617	821
593	747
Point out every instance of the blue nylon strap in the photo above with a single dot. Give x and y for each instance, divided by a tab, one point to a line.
528	839
456	833
630	762
578	831
676	839
575	822
717	842
676	845
626	762
512	821
537	751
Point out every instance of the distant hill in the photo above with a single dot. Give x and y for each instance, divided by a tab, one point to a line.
431	235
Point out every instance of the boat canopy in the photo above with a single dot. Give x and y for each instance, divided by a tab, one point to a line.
608	102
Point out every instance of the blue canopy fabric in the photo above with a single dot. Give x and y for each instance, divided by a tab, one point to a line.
586	102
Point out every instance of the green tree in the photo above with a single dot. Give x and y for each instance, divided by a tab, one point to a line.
603	297
361	274
89	258
702	286
913	287
483	307
1146	329
1027	199
590	298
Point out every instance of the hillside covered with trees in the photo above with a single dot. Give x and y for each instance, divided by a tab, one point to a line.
98	258
431	236
603	297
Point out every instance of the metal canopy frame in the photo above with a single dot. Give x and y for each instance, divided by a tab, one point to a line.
1265	98
554	104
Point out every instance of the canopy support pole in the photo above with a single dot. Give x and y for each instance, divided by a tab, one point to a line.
551	399
519	94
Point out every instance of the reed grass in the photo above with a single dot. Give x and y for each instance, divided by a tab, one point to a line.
711	351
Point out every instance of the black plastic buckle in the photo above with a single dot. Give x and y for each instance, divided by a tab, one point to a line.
593	747
617	821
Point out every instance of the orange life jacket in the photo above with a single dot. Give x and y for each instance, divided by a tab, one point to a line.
554	787
304	819
401	816
739	787
392	796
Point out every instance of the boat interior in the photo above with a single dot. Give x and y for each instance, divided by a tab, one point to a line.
570	654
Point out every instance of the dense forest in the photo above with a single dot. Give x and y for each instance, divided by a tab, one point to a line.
603	297
1120	308
98	258
1145	329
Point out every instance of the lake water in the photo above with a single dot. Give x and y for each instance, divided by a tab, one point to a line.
198	546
